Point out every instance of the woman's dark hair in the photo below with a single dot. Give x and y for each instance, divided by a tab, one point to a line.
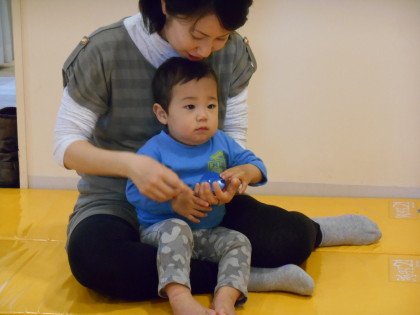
177	70
232	14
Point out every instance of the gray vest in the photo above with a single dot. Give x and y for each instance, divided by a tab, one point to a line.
107	74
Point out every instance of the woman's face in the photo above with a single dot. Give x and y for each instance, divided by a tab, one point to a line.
193	38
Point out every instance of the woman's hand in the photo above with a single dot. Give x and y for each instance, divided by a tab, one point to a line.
190	206
153	179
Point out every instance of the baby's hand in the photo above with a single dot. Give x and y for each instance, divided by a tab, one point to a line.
217	196
246	174
190	206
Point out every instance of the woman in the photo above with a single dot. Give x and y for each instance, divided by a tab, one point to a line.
106	115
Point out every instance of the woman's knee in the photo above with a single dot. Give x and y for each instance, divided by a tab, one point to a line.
278	236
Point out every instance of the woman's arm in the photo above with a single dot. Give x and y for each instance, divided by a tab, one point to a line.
74	122
82	156
236	120
73	129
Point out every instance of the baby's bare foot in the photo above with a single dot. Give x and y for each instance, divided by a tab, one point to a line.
224	301
222	312
183	303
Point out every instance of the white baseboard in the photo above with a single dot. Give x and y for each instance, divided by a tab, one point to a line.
335	190
52	182
271	188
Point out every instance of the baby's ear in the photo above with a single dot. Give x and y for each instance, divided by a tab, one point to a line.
160	113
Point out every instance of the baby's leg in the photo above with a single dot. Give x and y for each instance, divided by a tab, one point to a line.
233	252
174	240
350	229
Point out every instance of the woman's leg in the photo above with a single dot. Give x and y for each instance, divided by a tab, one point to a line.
283	240
106	255
348	229
278	237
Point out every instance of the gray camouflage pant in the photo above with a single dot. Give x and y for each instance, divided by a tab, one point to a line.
177	243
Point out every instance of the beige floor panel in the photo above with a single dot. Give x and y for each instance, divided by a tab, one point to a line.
378	279
37	280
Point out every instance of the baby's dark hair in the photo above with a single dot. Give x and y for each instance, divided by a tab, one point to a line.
232	14
177	70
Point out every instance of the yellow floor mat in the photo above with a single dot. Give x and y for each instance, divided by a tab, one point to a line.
383	278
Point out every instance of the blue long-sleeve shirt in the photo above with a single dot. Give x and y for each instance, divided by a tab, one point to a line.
190	163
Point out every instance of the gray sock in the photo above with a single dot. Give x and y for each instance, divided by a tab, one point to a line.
350	229
288	278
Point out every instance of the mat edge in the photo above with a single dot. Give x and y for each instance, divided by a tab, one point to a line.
271	188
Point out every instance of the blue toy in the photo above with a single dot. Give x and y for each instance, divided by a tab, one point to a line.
212	177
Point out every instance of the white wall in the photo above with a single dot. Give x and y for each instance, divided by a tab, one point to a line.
338	93
50	30
334	105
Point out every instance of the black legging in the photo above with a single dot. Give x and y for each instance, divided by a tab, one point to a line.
106	255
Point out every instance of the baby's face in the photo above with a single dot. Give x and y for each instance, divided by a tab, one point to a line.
193	111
